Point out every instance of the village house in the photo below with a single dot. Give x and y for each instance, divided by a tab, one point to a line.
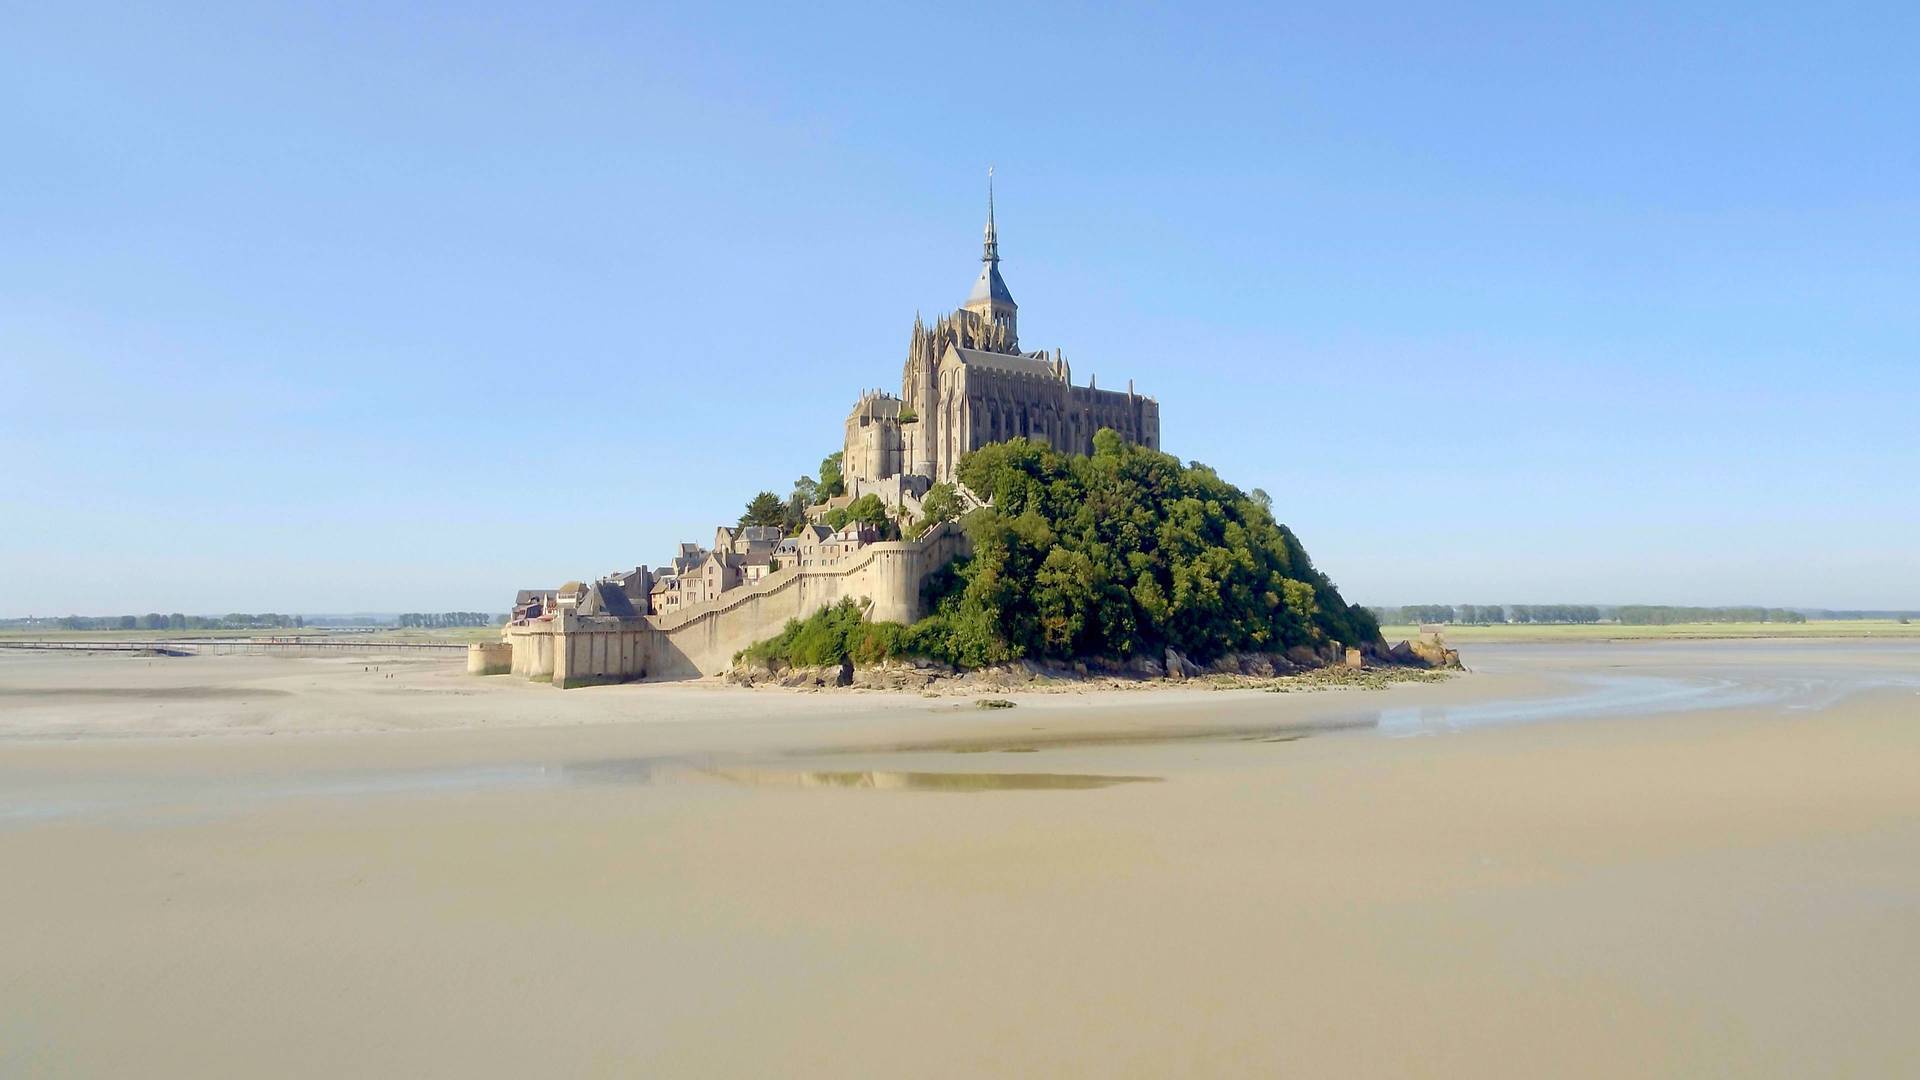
696	575
664	597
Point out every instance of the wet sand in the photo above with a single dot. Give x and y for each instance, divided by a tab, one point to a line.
1667	859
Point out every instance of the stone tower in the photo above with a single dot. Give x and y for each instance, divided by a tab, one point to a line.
990	298
919	394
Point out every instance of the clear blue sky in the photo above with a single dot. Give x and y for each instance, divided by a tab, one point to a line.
343	307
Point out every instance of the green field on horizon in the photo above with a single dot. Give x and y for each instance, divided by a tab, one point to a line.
1521	632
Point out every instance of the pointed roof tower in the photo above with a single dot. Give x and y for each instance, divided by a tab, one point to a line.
990	297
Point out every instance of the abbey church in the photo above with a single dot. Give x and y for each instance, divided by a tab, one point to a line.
966	384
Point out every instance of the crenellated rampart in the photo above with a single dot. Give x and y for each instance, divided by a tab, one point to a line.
581	650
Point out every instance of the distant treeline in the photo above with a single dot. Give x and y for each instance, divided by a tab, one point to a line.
153	620
1483	614
444	619
1626	614
1652	615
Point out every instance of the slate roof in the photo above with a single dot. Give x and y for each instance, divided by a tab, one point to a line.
1013	362
613	600
990	285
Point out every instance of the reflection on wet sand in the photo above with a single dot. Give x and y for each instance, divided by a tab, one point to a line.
666	770
190	797
1035	741
889	780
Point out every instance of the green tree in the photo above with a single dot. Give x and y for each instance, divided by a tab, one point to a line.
805	493
942	503
832	483
764	509
868	510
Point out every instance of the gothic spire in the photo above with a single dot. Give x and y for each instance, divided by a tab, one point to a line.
990	293
992	253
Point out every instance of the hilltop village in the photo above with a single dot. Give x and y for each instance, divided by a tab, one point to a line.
965	384
739	556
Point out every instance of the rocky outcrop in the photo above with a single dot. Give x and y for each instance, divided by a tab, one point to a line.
1178	666
840	674
918	674
1427	652
1146	667
1301	656
1434	653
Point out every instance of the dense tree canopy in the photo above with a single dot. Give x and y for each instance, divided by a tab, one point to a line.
1121	552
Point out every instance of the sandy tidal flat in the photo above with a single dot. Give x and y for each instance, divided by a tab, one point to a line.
1671	859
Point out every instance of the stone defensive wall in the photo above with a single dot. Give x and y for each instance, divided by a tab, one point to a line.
576	650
